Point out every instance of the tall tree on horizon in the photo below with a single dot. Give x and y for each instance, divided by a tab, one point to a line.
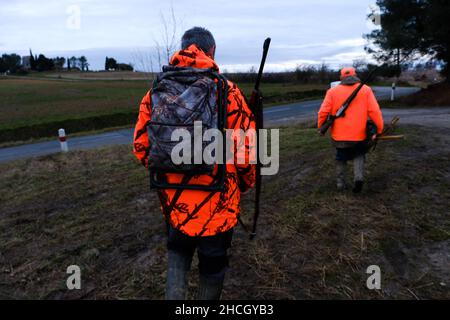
110	64
32	61
73	62
10	63
59	62
83	63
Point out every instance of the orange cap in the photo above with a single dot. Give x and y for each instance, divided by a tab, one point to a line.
348	72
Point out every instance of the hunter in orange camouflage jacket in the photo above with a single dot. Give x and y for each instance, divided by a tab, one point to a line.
202	213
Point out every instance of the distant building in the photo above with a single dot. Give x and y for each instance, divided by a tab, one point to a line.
26	62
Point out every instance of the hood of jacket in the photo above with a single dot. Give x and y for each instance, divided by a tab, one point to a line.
193	57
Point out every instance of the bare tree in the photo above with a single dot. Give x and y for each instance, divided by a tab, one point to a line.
360	64
165	44
144	61
170	34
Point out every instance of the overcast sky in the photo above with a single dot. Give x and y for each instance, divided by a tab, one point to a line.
302	31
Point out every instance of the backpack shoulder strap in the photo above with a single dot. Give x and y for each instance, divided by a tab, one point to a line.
222	88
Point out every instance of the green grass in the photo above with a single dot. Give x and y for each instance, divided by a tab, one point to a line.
284	93
92	75
36	107
281	89
27	102
30	102
94	209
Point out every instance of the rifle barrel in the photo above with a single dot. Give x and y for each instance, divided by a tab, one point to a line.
257	108
263	62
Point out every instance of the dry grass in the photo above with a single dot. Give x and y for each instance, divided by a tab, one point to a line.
94	209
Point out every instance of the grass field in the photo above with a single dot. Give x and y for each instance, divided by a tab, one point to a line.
27	102
96	75
95	209
36	107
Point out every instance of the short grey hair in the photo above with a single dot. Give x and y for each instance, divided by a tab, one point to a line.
202	37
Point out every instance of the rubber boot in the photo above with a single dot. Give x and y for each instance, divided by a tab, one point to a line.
358	164
341	167
178	267
358	186
210	287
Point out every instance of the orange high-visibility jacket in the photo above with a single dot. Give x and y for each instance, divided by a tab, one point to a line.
200	213
352	127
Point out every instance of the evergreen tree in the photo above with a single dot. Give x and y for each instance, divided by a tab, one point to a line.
411	28
32	61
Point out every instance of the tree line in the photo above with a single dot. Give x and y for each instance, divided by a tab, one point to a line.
112	65
15	64
10	63
322	73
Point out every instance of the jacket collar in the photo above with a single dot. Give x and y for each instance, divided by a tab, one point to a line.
193	57
349	81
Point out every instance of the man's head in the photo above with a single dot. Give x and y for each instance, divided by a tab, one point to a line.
348	72
200	37
349	76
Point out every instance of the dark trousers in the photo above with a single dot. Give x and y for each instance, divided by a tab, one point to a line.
212	251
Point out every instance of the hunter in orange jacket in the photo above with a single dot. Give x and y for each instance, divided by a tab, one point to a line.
352	127
200	213
349	133
202	221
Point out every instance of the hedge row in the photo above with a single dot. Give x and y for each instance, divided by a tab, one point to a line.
50	129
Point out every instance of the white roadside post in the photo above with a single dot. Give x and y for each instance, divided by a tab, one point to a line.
63	140
393	92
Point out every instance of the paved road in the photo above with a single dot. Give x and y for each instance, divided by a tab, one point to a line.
273	116
298	112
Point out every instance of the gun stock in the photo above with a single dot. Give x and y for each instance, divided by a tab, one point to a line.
326	126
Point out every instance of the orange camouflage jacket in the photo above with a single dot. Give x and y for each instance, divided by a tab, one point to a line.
200	213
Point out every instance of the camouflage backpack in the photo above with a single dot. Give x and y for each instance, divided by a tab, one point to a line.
180	97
